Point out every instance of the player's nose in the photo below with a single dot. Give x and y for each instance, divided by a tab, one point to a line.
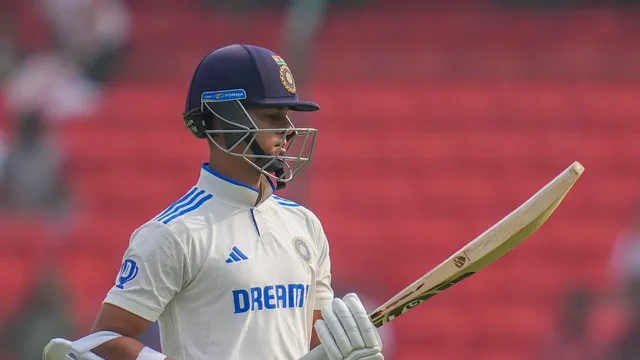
288	135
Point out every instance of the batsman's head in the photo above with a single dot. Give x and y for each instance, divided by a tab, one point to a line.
239	99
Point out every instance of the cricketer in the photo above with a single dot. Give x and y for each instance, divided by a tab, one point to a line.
230	270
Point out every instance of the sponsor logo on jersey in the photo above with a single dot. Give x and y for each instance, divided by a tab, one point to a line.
128	272
270	297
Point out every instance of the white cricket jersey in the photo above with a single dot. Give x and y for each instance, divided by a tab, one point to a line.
226	279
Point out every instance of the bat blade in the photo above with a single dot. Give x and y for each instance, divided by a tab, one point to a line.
485	249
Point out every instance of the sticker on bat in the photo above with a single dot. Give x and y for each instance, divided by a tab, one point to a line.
417	301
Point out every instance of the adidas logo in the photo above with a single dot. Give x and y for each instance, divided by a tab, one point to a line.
236	255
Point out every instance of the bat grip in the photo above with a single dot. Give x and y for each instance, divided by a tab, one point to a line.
317	353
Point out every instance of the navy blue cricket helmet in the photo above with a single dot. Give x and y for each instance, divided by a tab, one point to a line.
232	79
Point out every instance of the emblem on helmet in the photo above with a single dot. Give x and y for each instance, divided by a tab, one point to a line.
191	125
286	77
278	60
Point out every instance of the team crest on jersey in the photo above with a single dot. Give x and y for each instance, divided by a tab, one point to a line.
301	247
286	77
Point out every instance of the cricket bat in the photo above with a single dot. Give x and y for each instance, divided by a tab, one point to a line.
482	251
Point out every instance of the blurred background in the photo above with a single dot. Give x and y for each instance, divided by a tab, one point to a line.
437	119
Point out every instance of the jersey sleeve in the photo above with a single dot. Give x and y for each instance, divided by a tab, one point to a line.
154	269
324	291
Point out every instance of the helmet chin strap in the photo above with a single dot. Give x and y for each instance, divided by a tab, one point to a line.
275	167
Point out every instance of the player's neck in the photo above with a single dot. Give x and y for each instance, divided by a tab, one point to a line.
236	169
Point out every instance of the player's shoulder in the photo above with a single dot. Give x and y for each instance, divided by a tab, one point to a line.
293	208
287	204
186	214
191	204
172	225
155	234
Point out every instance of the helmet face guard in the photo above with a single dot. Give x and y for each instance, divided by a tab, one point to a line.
233	122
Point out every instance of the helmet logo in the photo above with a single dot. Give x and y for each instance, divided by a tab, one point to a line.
223	95
286	77
278	60
191	125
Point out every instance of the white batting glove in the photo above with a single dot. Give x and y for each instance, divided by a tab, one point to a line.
347	333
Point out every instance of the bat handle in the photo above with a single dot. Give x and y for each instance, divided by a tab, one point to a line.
317	353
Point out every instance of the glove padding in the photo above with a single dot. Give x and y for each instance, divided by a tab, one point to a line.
347	333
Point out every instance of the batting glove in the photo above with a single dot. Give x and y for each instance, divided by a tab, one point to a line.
347	333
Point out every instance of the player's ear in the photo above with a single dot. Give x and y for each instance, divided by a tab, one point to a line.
211	124
218	138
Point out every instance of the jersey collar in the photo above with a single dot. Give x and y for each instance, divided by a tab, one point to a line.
231	191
